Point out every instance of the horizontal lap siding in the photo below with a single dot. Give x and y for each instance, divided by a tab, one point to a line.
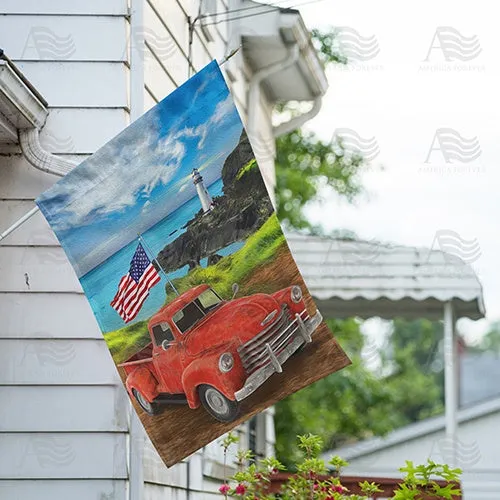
79	84
63	409
63	7
50	404
60	489
64	455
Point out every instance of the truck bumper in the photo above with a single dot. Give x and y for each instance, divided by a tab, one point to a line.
302	336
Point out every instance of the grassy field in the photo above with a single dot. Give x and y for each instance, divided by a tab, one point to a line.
259	250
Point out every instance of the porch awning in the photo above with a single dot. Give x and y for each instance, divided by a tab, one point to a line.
365	278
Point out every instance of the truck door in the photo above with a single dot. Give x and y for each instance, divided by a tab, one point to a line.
167	359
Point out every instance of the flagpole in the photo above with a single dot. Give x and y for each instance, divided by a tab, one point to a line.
19	222
154	259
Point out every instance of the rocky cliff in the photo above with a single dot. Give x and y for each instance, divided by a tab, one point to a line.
243	208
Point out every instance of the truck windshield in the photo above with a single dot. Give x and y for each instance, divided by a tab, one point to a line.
196	310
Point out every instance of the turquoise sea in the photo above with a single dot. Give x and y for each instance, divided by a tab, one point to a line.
101	283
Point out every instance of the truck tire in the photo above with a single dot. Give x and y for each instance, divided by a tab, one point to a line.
217	404
149	408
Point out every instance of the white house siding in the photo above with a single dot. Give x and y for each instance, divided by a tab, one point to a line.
63	410
477	454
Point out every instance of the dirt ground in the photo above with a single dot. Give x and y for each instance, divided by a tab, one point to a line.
179	431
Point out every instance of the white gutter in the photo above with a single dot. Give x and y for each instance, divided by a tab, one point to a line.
137	47
298	121
28	110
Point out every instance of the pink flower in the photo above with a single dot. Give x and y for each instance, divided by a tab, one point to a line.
275	471
224	489
240	489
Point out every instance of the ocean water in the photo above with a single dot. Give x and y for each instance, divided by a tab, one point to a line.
101	283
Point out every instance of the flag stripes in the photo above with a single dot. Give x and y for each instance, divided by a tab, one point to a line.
134	287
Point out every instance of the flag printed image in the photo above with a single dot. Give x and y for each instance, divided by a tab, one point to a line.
134	286
174	239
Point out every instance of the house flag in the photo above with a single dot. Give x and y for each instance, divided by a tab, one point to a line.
206	315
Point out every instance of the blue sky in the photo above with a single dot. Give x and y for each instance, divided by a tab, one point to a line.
143	174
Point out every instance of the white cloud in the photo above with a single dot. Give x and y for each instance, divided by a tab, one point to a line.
118	173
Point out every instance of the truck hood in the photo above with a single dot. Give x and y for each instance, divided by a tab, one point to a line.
234	322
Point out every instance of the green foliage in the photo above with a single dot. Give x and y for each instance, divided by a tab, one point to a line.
259	249
310	482
356	403
304	164
126	341
491	341
350	404
251	165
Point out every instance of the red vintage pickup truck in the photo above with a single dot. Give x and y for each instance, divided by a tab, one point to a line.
217	352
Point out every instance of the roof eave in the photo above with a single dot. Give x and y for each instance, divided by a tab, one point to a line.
21	107
413	431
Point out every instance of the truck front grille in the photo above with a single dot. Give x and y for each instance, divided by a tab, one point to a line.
254	354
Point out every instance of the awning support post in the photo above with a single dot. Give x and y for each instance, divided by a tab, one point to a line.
450	379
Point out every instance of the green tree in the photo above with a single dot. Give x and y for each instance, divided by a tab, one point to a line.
356	403
348	405
491	341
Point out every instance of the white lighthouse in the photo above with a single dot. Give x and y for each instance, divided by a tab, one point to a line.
205	198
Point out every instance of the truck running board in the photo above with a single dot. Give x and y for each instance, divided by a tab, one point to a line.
171	399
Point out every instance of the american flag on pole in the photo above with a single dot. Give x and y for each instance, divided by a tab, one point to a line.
134	287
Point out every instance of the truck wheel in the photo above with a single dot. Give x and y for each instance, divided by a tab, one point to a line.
149	408
217	404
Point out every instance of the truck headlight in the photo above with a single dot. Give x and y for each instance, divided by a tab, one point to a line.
296	294
226	362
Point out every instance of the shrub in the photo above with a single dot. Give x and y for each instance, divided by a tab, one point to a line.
311	482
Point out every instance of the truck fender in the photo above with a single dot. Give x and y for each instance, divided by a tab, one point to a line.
143	381
205	370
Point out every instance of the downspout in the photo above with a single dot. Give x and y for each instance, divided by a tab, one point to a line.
254	97
297	121
136	430
29	139
256	80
